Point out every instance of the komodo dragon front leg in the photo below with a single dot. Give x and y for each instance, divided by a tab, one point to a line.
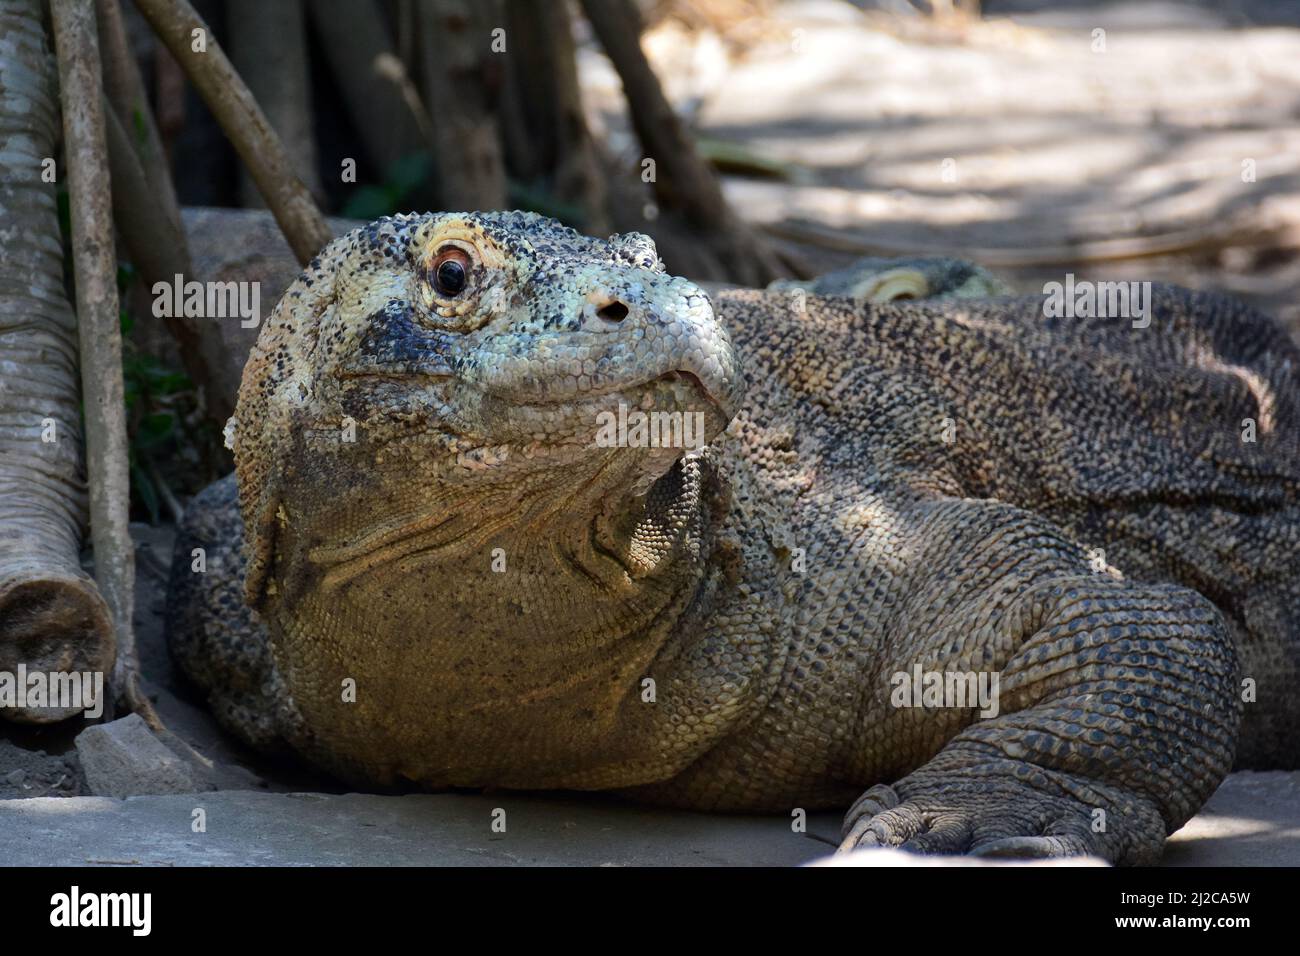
1116	716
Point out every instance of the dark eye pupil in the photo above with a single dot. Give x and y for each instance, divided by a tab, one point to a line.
451	277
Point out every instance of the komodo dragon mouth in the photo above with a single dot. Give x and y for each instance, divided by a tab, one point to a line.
716	397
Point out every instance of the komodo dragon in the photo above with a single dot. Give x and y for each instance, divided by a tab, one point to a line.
452	569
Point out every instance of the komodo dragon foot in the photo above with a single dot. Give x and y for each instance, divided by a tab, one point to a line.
992	813
1112	719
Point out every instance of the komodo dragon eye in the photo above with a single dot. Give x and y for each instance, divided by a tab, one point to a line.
451	271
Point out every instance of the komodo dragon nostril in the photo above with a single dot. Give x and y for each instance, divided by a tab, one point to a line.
614	311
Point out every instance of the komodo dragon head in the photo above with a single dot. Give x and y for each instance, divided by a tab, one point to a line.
462	371
440	397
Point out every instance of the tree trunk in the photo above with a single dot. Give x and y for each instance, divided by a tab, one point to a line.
268	46
548	146
354	39
52	616
462	79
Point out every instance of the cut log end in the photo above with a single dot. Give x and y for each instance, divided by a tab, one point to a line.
53	623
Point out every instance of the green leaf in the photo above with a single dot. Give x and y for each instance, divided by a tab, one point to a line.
154	429
369	202
407	174
141	128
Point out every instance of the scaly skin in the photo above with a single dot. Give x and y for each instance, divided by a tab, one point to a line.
877	281
964	485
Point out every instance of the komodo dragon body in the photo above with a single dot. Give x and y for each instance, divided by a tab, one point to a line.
454	569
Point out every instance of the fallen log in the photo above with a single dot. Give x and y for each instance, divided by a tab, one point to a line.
52	617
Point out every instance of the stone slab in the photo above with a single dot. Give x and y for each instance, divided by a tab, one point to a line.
1254	819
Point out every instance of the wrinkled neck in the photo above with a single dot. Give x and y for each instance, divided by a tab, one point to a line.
516	646
563	566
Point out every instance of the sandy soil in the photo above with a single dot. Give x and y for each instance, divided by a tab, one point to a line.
1028	142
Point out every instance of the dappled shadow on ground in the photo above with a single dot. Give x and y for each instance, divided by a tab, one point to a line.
1148	14
1252	820
1027	135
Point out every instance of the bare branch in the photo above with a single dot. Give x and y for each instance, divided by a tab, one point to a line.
158	250
126	92
99	333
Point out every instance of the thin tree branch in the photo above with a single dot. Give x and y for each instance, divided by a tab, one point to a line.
99	333
126	92
158	250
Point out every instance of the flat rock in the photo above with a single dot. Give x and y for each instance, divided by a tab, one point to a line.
124	758
1253	819
886	857
312	829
